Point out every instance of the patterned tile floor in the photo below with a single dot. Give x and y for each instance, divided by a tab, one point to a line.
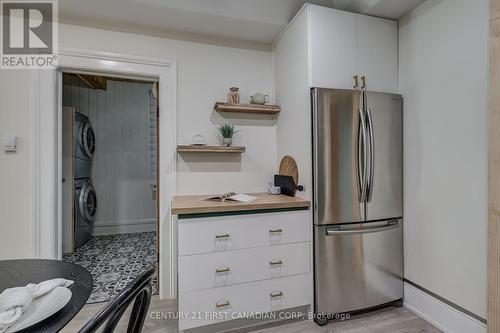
115	260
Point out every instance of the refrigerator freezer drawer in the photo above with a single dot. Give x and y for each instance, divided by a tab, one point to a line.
358	266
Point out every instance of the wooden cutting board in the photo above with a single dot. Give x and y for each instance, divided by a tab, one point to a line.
288	167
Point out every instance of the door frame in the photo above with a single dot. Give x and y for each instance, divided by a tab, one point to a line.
47	112
493	308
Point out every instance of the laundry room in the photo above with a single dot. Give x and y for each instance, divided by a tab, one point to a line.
109	188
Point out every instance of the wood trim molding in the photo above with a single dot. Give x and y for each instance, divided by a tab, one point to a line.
493	309
45	169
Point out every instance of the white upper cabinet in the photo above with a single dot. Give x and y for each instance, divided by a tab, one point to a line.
377	44
332	47
343	45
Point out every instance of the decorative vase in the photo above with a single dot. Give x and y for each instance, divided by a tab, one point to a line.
227	141
233	97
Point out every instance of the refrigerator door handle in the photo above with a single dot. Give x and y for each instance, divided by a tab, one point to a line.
369	189
314	101
335	231
362	157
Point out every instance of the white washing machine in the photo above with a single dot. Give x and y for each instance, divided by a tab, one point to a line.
85	210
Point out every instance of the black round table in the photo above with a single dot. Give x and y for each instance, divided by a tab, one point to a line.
17	273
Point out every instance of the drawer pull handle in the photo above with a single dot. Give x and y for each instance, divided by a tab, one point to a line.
221	236
274	295
222	270
275	263
275	231
222	305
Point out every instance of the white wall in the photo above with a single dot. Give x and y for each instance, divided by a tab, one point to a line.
444	81
120	117
16	200
204	74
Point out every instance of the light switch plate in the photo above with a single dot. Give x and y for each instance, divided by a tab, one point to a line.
10	144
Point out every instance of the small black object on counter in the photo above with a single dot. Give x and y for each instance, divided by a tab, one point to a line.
287	185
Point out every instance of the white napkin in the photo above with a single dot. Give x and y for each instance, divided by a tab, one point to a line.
44	287
14	301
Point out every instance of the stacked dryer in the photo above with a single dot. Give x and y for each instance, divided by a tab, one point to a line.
85	195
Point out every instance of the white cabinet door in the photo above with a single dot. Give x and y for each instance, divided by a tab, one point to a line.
378	53
332	47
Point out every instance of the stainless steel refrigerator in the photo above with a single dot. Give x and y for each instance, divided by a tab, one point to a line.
358	199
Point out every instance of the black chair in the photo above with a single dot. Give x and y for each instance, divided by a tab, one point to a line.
140	290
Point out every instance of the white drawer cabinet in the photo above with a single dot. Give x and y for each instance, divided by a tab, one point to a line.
228	264
227	303
223	233
211	270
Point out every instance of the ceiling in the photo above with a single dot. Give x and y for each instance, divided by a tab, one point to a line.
258	21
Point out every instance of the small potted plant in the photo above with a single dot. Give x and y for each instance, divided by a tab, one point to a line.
226	132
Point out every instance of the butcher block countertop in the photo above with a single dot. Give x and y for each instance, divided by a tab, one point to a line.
197	204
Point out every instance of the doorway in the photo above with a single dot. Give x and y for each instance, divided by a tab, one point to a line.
109	169
47	147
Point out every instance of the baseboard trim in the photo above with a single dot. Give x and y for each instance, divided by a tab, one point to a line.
443	316
113	223
124	228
